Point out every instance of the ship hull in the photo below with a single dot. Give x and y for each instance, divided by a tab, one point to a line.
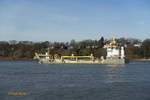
106	61
114	61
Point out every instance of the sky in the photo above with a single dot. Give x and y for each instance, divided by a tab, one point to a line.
64	20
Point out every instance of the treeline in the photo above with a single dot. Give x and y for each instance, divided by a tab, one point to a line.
134	48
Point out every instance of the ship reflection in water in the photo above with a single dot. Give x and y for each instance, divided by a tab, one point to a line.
27	80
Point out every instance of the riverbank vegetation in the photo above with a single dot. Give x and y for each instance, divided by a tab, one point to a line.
134	48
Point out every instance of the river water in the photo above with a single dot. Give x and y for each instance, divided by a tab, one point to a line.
74	81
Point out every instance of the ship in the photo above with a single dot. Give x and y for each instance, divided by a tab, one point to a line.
115	55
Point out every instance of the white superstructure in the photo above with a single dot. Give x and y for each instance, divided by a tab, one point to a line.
114	51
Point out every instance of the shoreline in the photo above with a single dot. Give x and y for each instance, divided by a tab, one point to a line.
141	59
10	58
